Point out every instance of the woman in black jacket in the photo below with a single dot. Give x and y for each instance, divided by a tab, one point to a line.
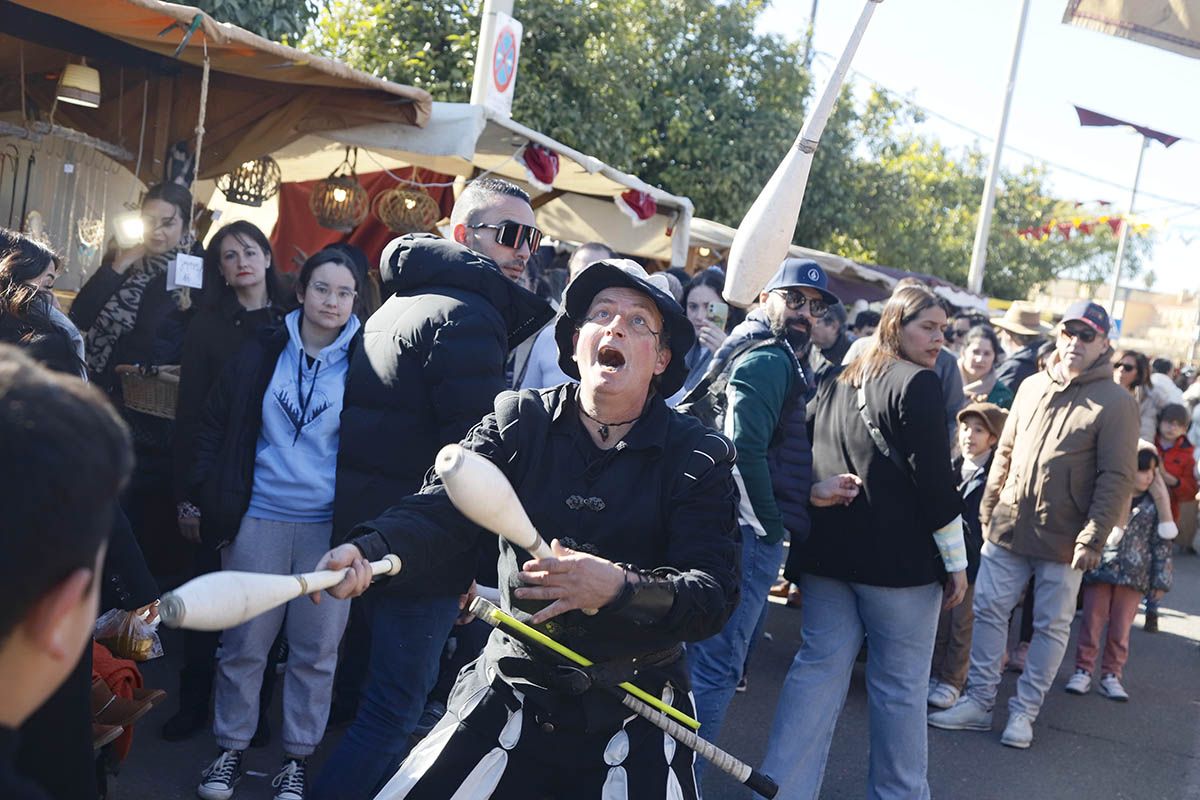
242	297
874	569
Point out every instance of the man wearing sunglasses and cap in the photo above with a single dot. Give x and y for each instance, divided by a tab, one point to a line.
641	504
1059	483
766	388
432	360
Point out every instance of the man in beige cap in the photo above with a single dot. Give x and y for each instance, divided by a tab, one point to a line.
1021	334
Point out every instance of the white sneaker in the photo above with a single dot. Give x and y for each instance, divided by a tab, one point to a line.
1018	732
1080	682
965	715
1110	687
943	695
221	776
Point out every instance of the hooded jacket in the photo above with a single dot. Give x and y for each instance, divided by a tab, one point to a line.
225	464
1064	466
295	457
431	364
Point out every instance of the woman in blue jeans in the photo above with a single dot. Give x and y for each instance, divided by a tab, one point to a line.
880	567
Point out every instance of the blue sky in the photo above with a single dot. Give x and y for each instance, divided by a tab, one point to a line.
952	58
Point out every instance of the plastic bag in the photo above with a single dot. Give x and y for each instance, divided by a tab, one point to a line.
128	635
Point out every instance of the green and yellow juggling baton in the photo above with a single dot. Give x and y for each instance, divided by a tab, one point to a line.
670	720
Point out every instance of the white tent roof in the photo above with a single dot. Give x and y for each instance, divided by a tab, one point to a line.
460	139
706	233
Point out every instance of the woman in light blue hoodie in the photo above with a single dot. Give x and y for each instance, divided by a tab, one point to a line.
264	468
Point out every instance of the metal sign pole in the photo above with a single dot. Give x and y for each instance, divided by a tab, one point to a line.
979	252
1123	236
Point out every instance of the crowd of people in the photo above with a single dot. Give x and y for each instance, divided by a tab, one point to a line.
925	477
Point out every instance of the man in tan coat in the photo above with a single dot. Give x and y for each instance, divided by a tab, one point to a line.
1061	478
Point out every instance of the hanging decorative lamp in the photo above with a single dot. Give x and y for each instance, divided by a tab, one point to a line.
339	201
253	183
407	210
79	85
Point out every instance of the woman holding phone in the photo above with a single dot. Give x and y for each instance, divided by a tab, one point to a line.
704	306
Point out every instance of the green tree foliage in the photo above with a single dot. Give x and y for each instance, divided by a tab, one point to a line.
278	20
882	194
682	93
686	95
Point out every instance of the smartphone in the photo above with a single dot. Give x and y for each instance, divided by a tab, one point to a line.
718	314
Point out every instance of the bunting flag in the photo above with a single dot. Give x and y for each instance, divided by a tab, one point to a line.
639	206
1084	226
1095	119
541	166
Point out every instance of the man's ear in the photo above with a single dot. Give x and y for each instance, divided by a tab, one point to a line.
460	233
574	344
664	359
762	298
49	624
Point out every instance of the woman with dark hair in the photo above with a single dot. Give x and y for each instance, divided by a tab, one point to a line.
879	568
28	309
698	294
978	356
242	296
124	303
1131	369
263	471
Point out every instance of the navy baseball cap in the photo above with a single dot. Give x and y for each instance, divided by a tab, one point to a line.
802	272
1090	313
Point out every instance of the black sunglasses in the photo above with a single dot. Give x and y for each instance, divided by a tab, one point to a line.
796	300
514	234
1125	367
1081	332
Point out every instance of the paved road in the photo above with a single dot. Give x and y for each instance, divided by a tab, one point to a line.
1085	747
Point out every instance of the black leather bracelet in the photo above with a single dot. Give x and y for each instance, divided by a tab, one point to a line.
644	600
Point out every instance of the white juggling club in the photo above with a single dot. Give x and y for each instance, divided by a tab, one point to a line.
221	600
762	240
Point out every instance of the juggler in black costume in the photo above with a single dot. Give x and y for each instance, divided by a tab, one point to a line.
662	501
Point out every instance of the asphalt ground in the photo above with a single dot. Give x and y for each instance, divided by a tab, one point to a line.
1084	747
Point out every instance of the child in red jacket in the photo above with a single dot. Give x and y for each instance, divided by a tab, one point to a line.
1178	459
1179	473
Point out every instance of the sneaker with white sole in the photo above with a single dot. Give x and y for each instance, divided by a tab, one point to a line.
1080	682
221	776
289	783
943	695
1018	732
1110	687
965	715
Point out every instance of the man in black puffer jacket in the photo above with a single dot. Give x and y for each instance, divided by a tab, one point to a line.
431	364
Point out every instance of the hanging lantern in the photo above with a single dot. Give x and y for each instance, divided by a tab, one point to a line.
91	232
79	85
407	210
340	202
252	183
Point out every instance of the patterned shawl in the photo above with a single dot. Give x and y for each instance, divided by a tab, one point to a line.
119	314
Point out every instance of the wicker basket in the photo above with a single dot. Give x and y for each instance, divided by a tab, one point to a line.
155	394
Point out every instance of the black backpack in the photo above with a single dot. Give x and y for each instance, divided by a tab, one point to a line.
707	401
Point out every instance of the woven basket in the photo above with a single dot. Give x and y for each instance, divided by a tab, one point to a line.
407	210
155	394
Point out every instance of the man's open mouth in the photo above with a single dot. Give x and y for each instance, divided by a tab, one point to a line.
610	357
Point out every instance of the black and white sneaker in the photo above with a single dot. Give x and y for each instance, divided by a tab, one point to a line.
221	776
289	783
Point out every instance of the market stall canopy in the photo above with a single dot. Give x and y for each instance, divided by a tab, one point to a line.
1169	24
466	140
714	235
261	95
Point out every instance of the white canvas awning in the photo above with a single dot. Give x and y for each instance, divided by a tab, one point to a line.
463	139
714	235
1169	24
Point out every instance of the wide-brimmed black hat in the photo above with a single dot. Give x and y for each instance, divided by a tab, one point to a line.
622	272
